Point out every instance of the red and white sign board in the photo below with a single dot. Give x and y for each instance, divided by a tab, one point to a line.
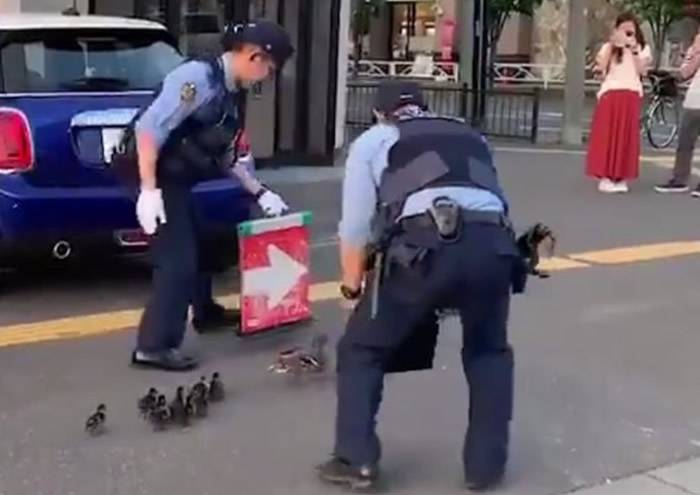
275	275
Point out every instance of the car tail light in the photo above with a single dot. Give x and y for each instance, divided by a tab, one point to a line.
16	151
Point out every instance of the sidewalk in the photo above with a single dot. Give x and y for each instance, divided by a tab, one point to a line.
678	479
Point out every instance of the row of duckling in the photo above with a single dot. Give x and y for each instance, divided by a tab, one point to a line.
188	404
193	402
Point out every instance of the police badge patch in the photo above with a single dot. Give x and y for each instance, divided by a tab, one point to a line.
188	92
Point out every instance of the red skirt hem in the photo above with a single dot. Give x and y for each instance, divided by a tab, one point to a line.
614	143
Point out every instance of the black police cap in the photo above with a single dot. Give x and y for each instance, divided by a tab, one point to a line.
394	94
269	36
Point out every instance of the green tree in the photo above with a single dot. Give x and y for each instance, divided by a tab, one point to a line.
660	14
362	14
499	11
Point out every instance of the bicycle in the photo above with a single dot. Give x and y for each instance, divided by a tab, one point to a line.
663	113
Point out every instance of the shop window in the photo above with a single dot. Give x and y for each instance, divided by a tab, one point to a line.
413	29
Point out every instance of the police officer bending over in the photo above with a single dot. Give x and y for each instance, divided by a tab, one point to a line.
440	239
187	136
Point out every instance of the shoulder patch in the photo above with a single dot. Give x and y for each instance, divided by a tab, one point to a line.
188	92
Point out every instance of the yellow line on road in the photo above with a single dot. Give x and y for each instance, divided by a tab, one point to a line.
638	254
662	161
104	323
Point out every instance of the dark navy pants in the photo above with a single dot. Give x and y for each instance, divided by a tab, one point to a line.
472	276
177	281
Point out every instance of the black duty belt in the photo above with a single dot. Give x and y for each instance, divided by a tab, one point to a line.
424	220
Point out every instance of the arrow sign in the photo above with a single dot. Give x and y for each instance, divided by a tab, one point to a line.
276	280
274	261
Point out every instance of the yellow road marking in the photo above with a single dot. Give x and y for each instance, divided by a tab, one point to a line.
104	323
637	254
662	161
556	264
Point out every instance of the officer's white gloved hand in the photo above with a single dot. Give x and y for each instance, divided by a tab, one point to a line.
150	210
272	204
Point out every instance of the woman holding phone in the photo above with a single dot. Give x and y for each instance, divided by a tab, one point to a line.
614	144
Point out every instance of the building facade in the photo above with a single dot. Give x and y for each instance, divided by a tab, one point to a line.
297	117
406	28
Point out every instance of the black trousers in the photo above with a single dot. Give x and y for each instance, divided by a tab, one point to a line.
472	276
177	278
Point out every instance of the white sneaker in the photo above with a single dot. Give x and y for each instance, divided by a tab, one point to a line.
621	187
607	186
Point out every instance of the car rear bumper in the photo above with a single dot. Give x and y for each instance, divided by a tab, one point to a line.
32	215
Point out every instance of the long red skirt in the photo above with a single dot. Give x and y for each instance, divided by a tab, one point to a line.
614	144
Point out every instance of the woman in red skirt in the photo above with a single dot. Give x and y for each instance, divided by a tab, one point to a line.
614	144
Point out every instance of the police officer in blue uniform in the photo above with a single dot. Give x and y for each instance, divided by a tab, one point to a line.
187	135
438	239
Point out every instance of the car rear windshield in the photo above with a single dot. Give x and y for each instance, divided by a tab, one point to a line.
65	60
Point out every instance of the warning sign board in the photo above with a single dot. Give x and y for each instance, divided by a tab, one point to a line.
275	275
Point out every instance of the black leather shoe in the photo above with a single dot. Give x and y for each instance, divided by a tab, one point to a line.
484	485
170	360
339	472
217	318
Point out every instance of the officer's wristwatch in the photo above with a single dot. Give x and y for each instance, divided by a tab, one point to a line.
350	294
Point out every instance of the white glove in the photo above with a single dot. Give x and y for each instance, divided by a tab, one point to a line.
150	210
272	204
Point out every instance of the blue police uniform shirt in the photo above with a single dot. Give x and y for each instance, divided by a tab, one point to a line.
171	107
367	159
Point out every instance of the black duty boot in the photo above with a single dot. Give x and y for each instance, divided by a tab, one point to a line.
340	472
217	318
485	484
171	360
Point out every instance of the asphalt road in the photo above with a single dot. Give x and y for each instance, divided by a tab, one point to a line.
606	367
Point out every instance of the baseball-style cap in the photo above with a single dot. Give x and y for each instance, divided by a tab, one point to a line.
394	94
269	36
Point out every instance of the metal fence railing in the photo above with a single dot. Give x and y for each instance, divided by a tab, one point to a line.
496	112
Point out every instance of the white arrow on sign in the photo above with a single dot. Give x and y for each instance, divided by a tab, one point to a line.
276	280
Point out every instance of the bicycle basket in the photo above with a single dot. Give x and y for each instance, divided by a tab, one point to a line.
665	84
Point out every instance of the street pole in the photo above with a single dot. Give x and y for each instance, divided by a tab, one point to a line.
480	62
574	89
465	16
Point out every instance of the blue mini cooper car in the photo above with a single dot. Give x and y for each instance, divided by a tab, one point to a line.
68	87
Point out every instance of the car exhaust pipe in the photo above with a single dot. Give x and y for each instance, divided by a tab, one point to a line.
62	250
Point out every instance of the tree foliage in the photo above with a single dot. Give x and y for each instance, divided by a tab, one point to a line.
660	14
499	11
362	14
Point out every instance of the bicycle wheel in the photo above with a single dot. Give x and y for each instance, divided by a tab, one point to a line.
662	122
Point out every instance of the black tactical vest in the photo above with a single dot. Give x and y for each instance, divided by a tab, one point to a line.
196	149
432	152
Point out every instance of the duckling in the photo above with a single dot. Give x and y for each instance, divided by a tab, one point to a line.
190	409
148	402
201	389
529	246
177	408
95	424
216	388
199	402
161	415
